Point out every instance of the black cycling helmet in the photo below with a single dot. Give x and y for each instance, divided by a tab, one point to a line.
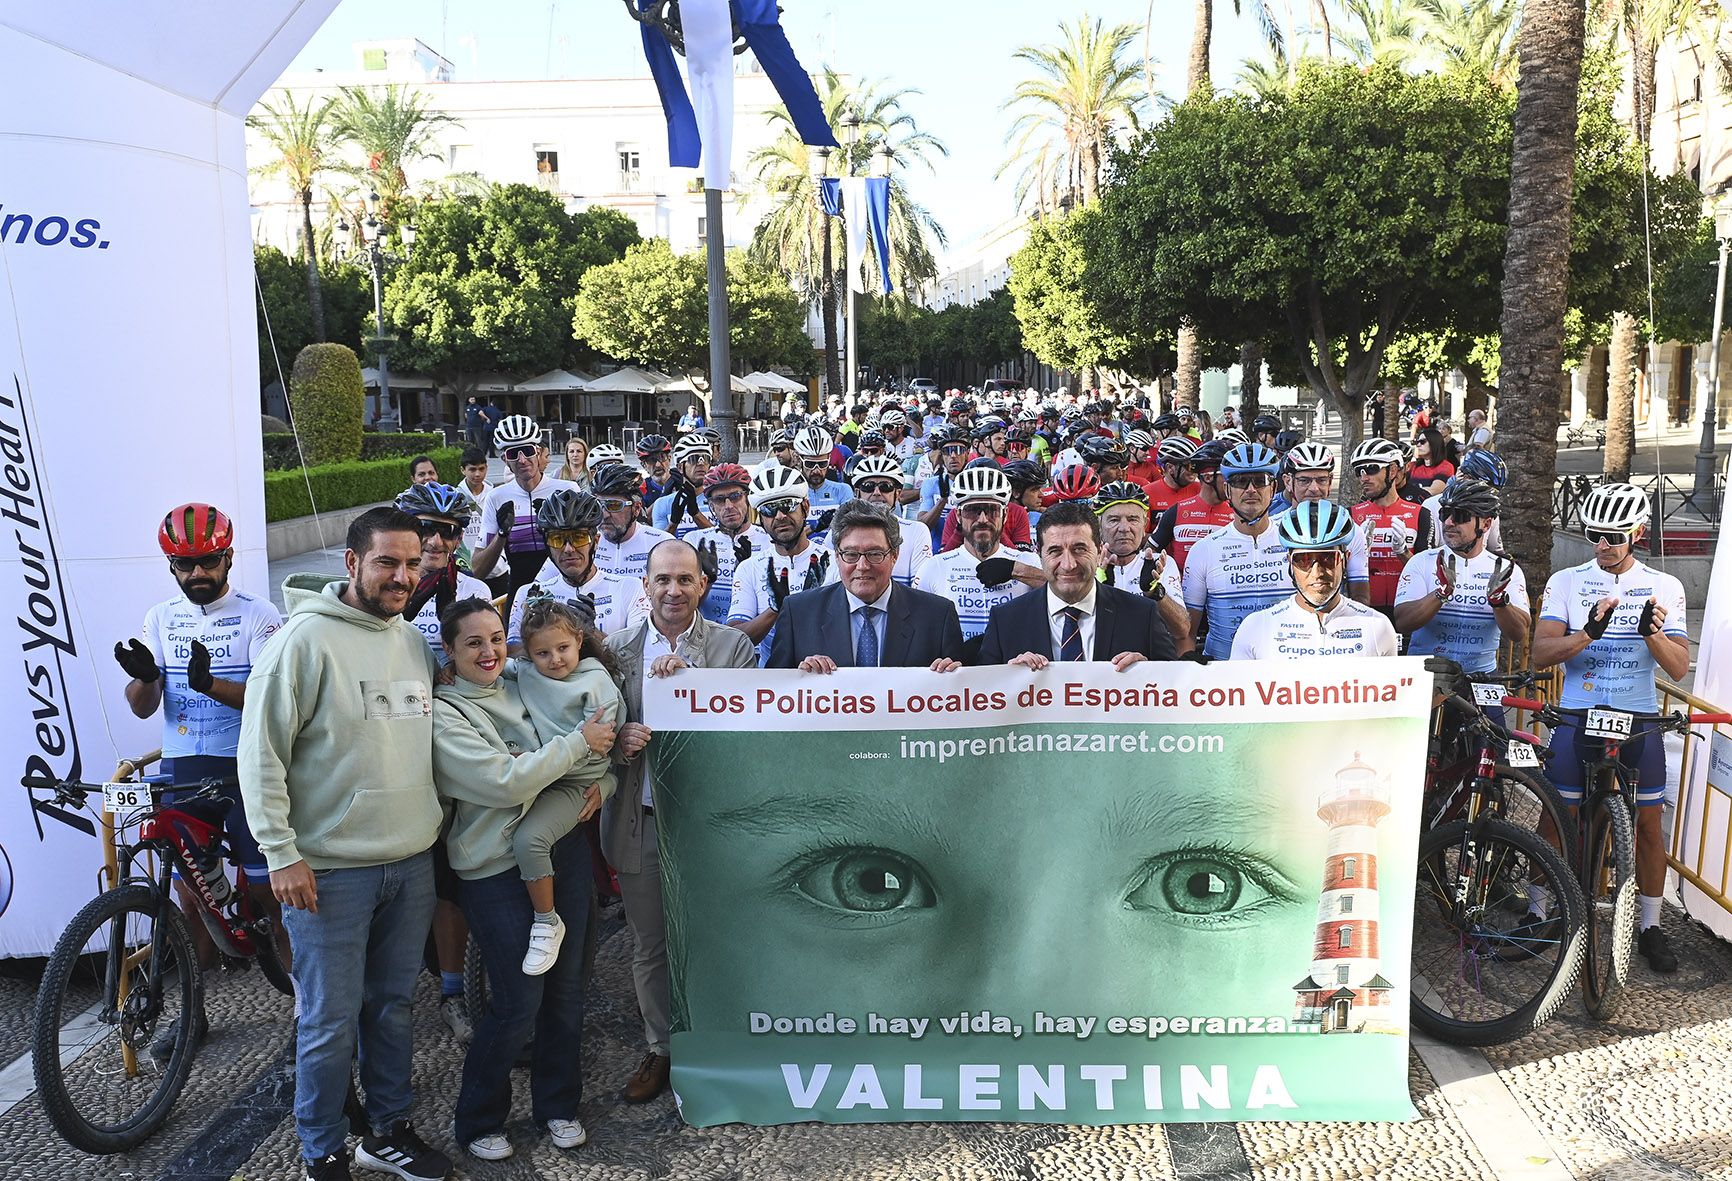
1166	422
986	429
938	436
653	445
872	439
1266	424
1475	496
1285	441
1210	454
616	479
1024	474
1098	450
569	508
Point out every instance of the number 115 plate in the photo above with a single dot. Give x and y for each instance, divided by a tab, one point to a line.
1607	723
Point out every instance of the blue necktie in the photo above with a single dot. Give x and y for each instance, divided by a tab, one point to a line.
1070	635
866	647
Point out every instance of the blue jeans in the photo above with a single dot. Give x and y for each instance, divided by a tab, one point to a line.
550	1005
355	966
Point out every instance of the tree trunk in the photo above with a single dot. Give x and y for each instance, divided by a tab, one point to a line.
1392	412
827	297
315	293
1621	398
1188	372
1197	71
1250	383
1536	274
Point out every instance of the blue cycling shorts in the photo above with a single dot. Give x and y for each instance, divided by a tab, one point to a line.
1645	754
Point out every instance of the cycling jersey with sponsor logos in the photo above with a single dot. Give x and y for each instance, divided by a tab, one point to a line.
1389	531
1464	629
1493	535
916	547
1163	496
524	535
721	593
952	575
1288	631
619	600
825	498
1617	669
234	630
628	558
1129	577
1229	576
1358	551
752	597
427	619
1188	522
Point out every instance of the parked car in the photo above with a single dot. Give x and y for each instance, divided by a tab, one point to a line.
923	386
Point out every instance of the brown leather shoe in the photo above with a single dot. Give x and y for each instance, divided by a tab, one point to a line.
650	1080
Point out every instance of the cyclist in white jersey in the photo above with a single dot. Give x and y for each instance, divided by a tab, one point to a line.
815	447
443	514
733	538
1240	568
791	564
570	520
1317	619
1459	599
508	513
1611	622
1308	474
679	511
625	542
877	479
982	572
191	659
1130	562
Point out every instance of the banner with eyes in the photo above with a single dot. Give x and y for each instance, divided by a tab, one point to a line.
1073	896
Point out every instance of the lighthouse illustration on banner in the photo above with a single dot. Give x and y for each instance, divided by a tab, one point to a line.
1345	992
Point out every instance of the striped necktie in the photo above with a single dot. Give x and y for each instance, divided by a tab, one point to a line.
1070	635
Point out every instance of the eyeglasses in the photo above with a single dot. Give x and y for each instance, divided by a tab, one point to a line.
511	453
204	562
733	497
980	510
777	508
1249	480
872	557
1313	559
883	486
1608	536
570	539
449	530
779	448
615	504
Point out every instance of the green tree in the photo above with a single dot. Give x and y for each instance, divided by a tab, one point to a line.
651	307
1062	322
393	127
1475	36
491	283
304	139
326	400
348	297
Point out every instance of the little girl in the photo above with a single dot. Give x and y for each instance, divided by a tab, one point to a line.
571	678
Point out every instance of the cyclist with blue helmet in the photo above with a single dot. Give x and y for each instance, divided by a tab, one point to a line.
1461	599
1481	465
1241	568
1317	619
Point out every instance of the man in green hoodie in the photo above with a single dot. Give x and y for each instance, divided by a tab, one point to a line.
336	770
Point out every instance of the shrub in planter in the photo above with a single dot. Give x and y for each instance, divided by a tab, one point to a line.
326	400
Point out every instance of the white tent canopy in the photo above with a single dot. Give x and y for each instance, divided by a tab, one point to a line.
684	386
400	381
552	382
629	380
765	380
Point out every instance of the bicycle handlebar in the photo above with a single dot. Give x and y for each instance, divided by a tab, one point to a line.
1675	718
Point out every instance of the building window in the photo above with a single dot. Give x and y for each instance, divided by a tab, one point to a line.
461	158
372	59
630	167
546	160
703	230
1341	973
1347	904
1349	865
1344	939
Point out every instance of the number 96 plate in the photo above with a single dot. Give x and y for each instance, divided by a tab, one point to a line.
125	797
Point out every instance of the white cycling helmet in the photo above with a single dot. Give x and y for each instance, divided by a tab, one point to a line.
813	443
888	418
1139	438
880	466
692	445
605	453
1232	436
1381	452
980	483
514	430
1176	449
776	483
1619	507
1310	457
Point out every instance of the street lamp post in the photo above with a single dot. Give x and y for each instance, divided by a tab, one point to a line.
1711	404
372	234
851	127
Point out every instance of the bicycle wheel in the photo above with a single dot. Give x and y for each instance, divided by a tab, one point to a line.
123	971
1483	972
1527	797
1609	884
267	939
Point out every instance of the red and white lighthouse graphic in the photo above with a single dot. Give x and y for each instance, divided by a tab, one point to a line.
1344	992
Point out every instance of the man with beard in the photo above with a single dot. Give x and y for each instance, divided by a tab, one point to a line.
791	564
731	540
678	510
508	513
191	659
982	572
336	769
625	542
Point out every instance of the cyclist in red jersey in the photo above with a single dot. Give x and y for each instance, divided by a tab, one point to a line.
1175	484
1145	468
1189	521
1395	529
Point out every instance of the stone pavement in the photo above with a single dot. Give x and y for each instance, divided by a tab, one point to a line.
1641	1099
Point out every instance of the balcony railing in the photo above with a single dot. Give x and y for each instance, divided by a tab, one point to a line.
549	181
631	180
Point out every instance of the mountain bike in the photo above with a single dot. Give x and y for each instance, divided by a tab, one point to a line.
125	968
1485	971
1606	838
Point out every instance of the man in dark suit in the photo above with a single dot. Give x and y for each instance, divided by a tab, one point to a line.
1078	617
865	619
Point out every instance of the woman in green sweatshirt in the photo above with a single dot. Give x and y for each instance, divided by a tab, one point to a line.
490	764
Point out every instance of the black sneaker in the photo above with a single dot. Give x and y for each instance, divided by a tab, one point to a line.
162	1046
1656	950
333	1168
403	1153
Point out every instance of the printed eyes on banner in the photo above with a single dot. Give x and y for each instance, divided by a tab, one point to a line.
861	881
1213	887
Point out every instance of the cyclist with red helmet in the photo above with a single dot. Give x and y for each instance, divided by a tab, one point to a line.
191	660
733	538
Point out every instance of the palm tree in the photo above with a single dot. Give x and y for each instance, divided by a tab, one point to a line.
304	139
1084	94
798	238
1382	31
1269	78
393	127
1473	35
1632	22
1536	272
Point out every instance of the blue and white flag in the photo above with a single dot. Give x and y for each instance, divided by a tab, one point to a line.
878	218
866	205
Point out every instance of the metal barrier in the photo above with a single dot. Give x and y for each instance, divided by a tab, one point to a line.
1692	864
1674	500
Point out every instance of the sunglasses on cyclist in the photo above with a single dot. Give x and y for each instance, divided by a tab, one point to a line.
777	508
449	530
953	450
815	464
733	497
615	504
511	453
1250	480
570	539
1609	536
205	562
1367	469
1312	559
1461	516
980	510
884	486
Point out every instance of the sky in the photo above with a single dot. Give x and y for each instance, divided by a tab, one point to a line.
955	53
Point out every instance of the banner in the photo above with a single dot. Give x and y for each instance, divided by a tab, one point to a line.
1077	896
128	378
1705	811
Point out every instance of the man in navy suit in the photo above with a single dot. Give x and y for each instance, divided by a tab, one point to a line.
865	619
1078	617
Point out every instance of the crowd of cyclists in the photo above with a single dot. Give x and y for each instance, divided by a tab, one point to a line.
1237	533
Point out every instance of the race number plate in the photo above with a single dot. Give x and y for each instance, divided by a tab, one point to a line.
124	797
1520	754
1607	723
1484	694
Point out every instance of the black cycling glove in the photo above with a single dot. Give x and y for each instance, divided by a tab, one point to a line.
707	560
1646	625
136	659
1149	579
822	521
742	548
815	571
505	518
198	677
1198	656
995	571
1598	621
779	589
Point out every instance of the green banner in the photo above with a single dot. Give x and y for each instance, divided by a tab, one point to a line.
1077	896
